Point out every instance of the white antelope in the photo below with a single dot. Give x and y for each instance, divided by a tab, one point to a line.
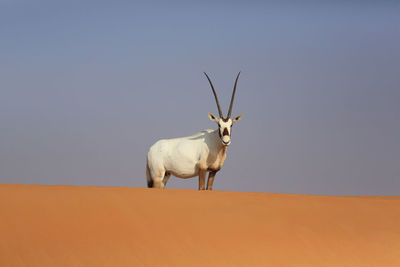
195	155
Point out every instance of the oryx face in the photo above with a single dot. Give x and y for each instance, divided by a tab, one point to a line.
224	124
224	127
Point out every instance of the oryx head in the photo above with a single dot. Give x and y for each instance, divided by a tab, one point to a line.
224	124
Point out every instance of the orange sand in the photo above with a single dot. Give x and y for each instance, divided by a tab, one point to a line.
111	226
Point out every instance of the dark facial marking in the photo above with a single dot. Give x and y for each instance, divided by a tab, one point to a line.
225	132
225	120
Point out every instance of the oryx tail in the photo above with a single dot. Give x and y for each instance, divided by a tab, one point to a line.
148	176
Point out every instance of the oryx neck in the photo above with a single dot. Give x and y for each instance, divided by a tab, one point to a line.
218	143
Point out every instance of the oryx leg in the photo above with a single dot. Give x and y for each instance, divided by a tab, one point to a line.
210	180
166	177
158	179
202	179
158	182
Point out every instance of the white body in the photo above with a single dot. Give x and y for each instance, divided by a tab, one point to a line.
185	157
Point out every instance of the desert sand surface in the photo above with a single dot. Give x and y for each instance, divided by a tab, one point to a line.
116	226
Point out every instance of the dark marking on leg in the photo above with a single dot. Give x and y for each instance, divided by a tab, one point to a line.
210	180
202	180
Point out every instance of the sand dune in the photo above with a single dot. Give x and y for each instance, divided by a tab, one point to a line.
111	226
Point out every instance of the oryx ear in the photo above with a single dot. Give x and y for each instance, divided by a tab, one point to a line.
212	117
237	118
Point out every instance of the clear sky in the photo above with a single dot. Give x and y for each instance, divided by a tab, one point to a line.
86	87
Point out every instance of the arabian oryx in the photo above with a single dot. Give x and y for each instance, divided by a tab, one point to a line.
194	155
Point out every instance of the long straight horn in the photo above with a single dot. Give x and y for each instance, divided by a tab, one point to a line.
233	97
215	95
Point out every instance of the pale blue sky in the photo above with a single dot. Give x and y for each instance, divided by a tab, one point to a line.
87	87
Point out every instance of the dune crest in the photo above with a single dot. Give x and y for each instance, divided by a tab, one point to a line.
116	226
